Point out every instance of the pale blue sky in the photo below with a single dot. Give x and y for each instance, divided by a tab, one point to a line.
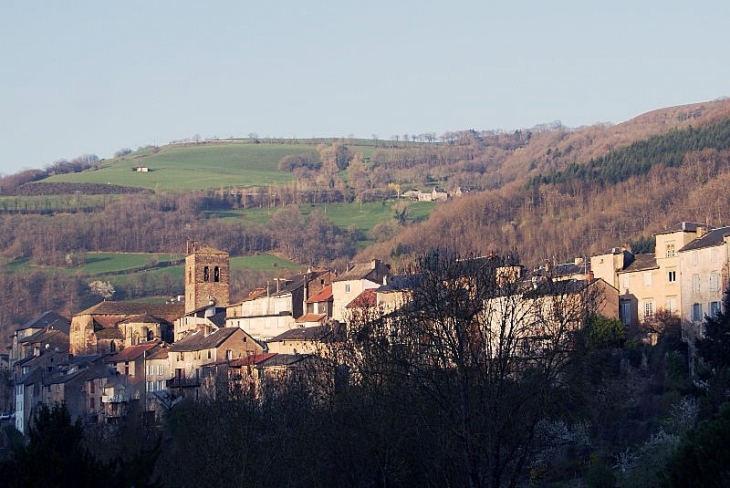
93	76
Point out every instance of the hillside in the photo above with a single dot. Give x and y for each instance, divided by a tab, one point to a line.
571	204
547	192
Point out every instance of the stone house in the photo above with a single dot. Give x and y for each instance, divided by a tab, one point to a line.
307	340
269	311
358	278
104	328
47	331
704	265
318	309
187	356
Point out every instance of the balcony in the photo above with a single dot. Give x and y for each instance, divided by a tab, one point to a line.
114	399
183	383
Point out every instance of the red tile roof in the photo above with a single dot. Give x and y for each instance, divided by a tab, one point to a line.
322	296
364	299
132	352
312	317
251	360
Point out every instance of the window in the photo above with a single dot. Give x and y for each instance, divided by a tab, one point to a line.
647	279
714	308
648	310
347	288
670	250
696	312
206	274
229	354
672	276
671	305
714	255
126	367
695	258
150	386
91	387
625	282
695	283
160	369
92	404
216	274
714	282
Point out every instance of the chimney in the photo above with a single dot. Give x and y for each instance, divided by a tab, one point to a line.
701	231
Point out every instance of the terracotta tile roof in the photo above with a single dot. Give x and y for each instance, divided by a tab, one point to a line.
169	312
161	353
132	352
251	360
283	360
312	317
365	299
324	295
109	333
142	319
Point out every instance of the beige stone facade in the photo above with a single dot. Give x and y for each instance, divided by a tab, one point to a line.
207	278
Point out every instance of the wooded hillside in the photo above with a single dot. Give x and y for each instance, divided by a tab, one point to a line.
548	192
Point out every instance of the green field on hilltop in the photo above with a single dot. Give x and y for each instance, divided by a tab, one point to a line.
264	262
190	167
101	263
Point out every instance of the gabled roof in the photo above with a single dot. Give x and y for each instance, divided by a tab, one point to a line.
641	262
363	271
142	319
312	317
198	341
283	360
323	296
251	360
367	298
398	283
165	311
690	227
60	377
317	333
712	238
52	357
110	333
218	309
48	320
133	352
53	337
161	353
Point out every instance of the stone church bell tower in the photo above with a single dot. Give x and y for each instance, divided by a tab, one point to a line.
207	277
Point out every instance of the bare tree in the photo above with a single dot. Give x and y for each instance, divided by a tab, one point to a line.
485	349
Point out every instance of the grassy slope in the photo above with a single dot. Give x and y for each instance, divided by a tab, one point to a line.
175	168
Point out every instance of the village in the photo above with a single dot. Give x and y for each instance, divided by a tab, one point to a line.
116	358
